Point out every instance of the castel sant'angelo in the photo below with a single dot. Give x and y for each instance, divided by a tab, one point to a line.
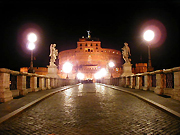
88	58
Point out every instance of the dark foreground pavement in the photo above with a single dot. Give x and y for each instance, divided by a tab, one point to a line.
91	109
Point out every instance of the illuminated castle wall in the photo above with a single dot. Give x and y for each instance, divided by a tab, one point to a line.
89	57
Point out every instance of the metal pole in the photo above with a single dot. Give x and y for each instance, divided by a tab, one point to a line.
149	59
31	70
31	59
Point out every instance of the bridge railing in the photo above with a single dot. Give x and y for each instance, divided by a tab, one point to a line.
14	83
162	82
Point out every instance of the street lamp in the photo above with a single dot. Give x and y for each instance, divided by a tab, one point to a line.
149	36
67	68
31	38
111	65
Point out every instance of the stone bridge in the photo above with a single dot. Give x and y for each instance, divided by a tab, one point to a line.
16	84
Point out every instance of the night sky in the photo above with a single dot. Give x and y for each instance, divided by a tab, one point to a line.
114	23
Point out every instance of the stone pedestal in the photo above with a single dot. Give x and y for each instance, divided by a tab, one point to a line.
127	69
52	71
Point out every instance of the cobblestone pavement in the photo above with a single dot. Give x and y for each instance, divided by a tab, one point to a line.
91	109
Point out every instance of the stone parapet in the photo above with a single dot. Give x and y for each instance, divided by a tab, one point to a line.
162	82
37	82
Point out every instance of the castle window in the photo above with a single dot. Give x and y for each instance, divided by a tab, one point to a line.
101	51
89	50
96	48
86	45
96	44
80	44
91	44
80	48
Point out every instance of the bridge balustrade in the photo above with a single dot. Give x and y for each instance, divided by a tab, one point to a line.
14	83
162	82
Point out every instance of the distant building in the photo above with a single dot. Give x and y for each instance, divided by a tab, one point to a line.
38	70
88	58
140	68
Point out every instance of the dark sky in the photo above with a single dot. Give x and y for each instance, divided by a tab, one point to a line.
64	23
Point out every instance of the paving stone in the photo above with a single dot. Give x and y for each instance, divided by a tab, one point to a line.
91	109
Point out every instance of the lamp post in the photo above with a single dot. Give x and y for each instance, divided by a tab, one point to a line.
149	36
31	38
111	65
67	68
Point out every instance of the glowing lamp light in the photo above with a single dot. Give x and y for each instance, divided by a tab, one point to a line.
100	74
111	64
67	67
32	37
80	76
148	35
31	46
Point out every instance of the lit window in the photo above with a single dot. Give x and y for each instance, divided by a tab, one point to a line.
113	52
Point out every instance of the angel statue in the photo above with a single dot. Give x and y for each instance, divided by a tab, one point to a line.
126	53
53	54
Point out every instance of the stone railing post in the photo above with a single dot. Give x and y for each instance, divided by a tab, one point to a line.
159	82
146	81
52	83
127	84
133	81
138	81
56	82
33	83
5	93
48	83
123	81
176	90
41	83
21	84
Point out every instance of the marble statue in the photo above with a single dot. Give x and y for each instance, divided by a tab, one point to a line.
53	54
126	53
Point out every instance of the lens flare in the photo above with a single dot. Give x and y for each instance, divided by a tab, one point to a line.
159	30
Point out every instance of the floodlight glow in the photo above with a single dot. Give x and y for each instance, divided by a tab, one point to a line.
97	75
31	46
100	73
80	76
111	64
148	35
32	37
67	67
103	72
